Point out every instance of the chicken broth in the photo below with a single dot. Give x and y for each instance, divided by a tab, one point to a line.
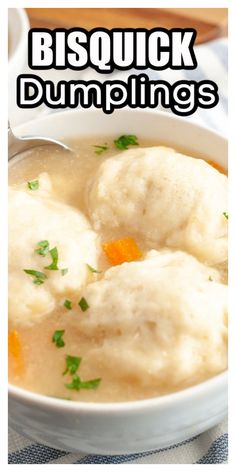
104	351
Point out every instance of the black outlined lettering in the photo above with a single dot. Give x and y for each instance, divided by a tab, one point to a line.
182	97
106	50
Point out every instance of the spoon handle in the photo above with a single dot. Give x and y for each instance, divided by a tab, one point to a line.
17	145
13	143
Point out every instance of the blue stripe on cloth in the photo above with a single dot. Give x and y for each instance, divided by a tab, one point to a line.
35	454
224	103
121	459
205	116
195	74
198	75
217	453
221	51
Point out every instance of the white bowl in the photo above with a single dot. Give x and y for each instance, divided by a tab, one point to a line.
128	427
18	26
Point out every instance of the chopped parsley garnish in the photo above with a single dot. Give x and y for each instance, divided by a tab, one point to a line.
54	256
83	304
39	277
95	271
43	248
226	215
68	304
57	338
72	364
210	278
101	149
33	184
126	140
78	384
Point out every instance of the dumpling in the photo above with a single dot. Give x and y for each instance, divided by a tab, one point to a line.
164	198
35	217
161	320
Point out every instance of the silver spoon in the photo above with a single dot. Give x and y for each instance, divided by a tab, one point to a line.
24	143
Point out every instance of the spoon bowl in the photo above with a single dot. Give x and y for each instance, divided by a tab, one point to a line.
16	145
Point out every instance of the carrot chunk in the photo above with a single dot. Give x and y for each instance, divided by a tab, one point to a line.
216	166
122	250
15	352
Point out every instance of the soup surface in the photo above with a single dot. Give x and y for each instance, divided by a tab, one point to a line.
129	298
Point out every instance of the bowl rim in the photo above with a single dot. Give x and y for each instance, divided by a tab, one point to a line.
217	382
24	25
154	112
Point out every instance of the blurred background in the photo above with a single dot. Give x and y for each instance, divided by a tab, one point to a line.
210	23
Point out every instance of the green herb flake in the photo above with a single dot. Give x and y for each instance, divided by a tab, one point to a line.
33	184
126	140
57	338
83	304
68	304
210	278
43	248
64	271
54	256
95	271
39	277
226	215
78	384
72	364
100	149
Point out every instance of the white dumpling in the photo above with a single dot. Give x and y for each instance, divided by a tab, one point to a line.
164	198
161	320
34	217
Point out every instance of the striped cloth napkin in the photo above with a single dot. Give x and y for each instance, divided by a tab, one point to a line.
210	447
207	448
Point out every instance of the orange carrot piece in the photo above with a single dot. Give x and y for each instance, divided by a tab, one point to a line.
217	166
15	352
122	250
